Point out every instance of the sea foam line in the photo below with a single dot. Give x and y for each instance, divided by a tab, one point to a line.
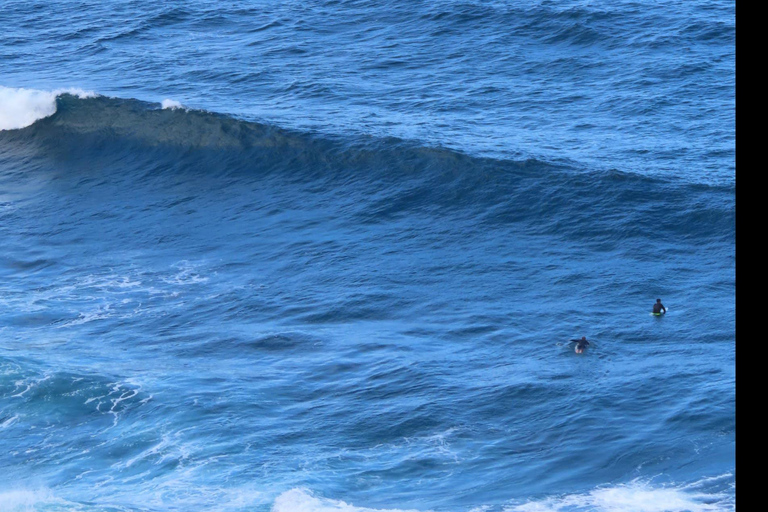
635	496
302	500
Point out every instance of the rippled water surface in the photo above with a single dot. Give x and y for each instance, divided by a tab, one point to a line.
327	256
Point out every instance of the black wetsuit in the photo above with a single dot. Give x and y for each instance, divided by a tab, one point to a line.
581	344
658	307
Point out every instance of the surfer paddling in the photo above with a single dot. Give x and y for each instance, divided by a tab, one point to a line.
658	308
581	345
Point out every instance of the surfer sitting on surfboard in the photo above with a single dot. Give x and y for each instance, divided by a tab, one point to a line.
581	344
658	308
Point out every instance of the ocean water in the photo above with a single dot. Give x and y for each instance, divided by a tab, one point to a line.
327	256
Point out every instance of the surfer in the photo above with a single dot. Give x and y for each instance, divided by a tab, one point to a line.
658	308
581	345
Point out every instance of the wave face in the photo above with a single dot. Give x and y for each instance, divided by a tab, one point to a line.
556	200
328	257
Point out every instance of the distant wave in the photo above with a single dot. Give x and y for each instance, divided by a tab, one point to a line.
550	199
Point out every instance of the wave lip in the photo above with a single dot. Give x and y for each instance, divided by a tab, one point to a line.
21	107
171	104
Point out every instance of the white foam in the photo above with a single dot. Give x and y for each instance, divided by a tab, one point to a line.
10	421
633	497
89	316
171	104
26	500
20	108
302	500
186	274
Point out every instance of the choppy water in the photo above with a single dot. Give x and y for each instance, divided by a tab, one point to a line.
325	256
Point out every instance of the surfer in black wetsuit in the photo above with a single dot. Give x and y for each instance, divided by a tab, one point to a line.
659	307
581	344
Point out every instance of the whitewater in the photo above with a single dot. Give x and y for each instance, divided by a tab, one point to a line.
328	257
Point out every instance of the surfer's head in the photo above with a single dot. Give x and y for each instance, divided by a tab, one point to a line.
658	300
583	338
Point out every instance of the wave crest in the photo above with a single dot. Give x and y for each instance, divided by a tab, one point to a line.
21	107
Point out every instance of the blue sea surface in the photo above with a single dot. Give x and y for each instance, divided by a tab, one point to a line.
328	256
